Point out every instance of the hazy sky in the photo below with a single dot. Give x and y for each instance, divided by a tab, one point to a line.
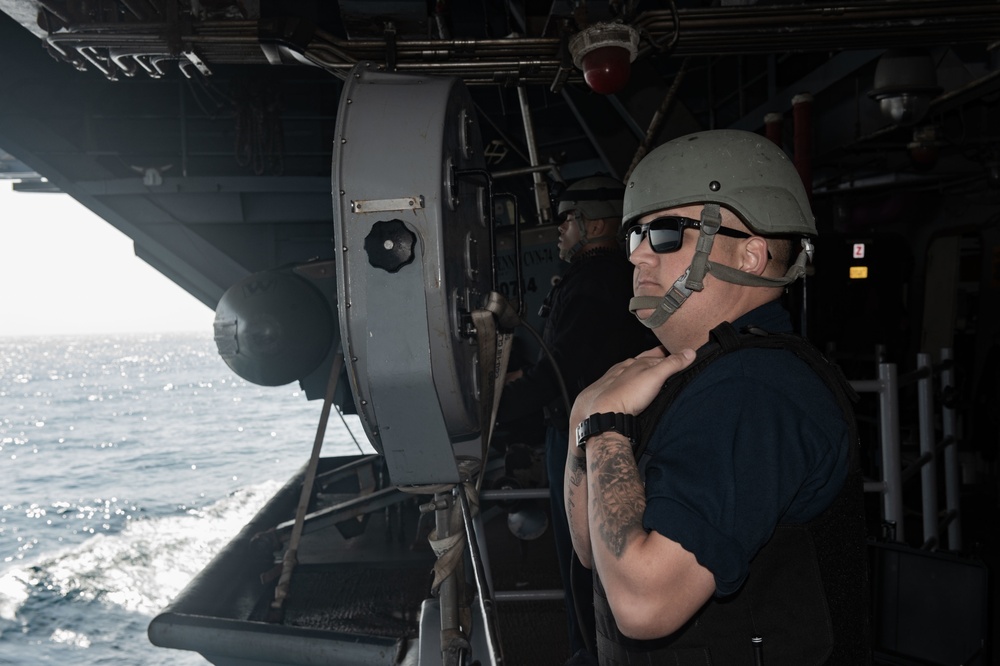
65	270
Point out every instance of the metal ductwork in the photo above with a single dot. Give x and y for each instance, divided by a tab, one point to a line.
128	42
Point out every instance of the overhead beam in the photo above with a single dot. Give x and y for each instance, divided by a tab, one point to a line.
168	242
207	184
828	74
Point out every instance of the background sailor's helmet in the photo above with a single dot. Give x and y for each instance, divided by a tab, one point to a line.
593	198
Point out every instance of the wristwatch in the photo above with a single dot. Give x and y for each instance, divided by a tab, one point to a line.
595	424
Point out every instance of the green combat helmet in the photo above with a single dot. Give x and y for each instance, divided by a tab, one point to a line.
742	171
593	198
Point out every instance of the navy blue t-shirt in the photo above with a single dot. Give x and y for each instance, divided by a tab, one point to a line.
755	440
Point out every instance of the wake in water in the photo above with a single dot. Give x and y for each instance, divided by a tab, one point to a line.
132	575
127	463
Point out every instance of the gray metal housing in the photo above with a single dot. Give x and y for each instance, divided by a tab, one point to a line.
412	367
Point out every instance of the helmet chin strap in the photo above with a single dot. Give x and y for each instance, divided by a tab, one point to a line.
794	272
693	278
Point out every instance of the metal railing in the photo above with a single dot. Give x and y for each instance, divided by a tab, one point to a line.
894	474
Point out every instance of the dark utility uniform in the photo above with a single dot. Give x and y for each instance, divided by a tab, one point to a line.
750	463
588	329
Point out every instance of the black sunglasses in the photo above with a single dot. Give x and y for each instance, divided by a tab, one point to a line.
666	234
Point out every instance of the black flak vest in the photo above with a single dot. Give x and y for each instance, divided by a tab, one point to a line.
806	598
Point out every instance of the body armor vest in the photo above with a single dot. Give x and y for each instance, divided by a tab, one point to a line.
805	600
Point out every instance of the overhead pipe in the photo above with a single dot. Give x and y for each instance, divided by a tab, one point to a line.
654	124
802	120
802	158
772	127
542	204
728	31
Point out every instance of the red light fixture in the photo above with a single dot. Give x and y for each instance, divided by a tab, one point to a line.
925	147
605	51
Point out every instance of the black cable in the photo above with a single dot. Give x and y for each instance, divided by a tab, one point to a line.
555	368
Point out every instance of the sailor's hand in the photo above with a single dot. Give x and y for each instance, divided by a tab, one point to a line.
631	385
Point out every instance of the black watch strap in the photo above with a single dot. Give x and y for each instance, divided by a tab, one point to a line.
595	424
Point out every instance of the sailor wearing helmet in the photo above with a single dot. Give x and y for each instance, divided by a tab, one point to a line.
712	484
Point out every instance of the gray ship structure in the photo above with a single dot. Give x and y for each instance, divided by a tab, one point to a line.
362	192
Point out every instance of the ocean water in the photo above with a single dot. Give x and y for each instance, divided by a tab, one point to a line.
126	463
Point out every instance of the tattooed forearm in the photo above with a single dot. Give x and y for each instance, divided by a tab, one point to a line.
576	480
617	497
575	496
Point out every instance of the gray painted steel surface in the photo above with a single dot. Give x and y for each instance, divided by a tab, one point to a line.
399	150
